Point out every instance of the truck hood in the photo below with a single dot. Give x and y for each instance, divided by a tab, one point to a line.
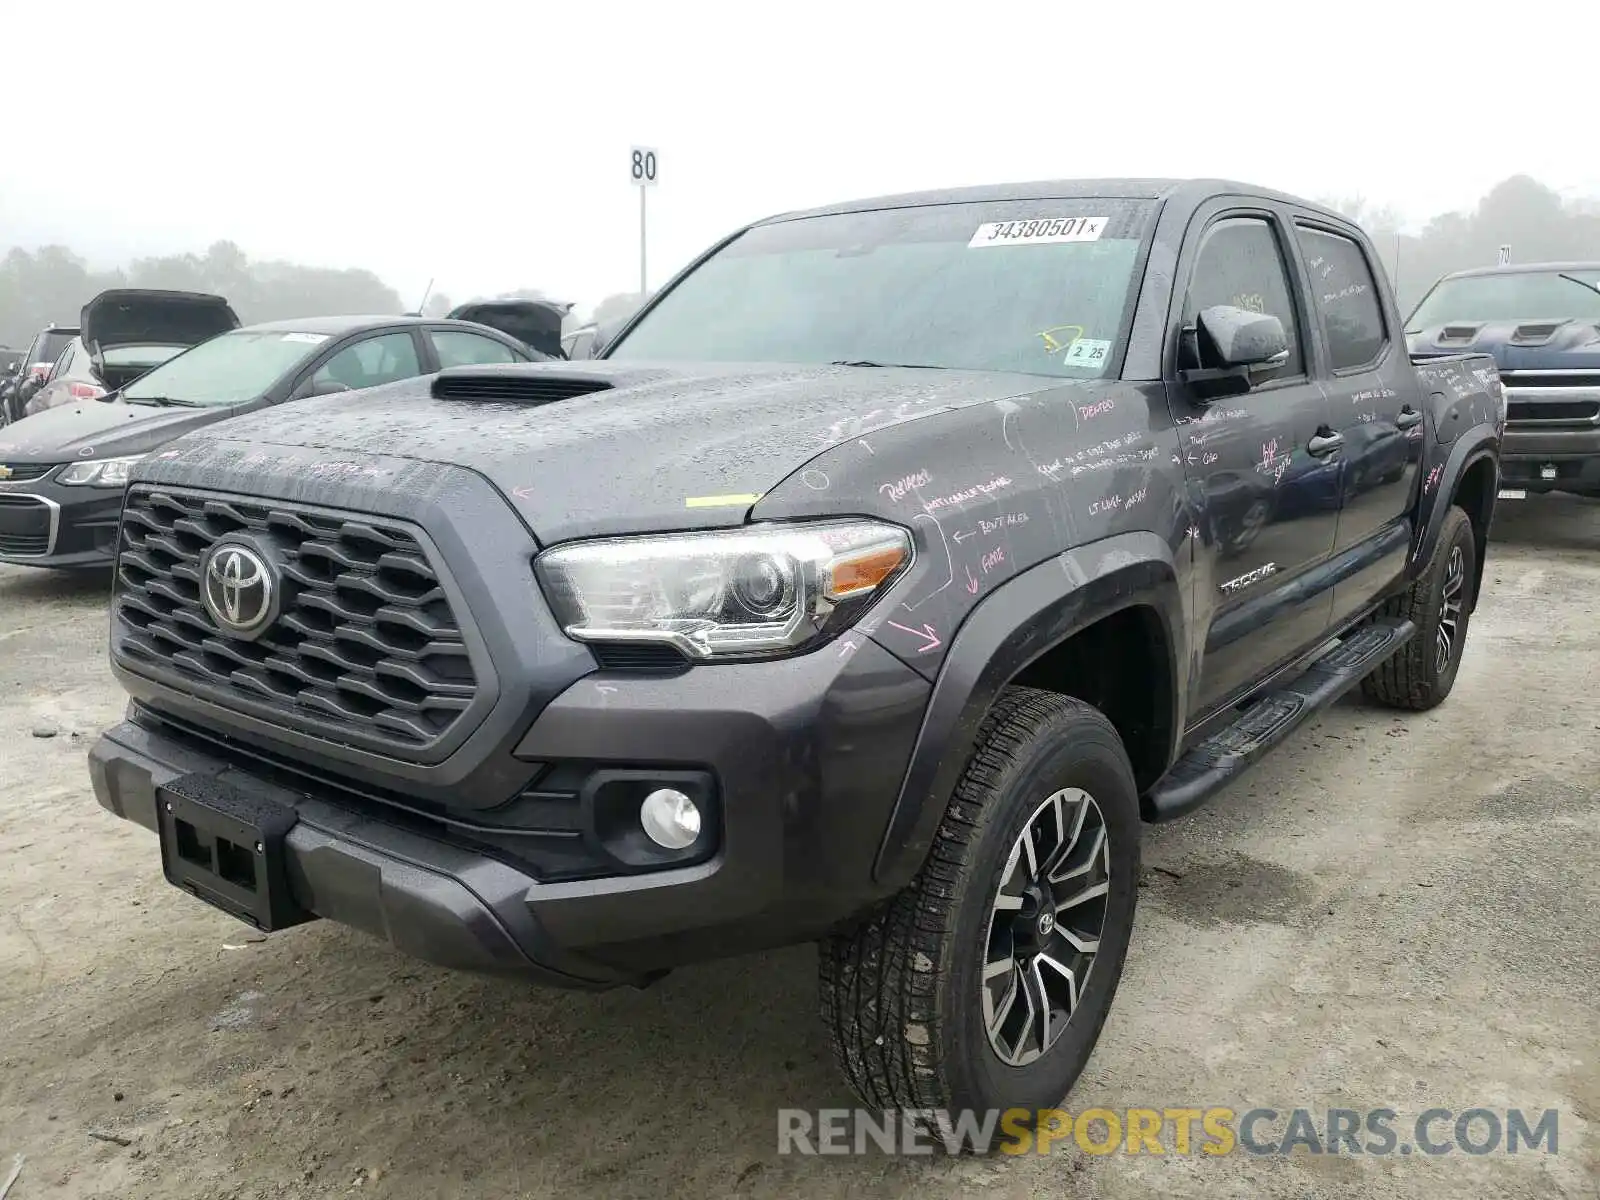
655	448
98	429
1530	345
153	317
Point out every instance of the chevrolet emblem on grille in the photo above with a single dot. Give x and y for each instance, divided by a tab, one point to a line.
5	471
238	589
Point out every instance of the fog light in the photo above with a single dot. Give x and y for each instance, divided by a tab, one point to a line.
670	818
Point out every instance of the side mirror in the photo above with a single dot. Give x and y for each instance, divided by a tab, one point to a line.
1234	349
320	387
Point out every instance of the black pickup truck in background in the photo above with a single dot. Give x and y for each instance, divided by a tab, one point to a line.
876	581
1541	323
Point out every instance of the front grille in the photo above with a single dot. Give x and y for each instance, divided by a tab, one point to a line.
25	526
1582	412
1551	379
1553	398
366	647
21	472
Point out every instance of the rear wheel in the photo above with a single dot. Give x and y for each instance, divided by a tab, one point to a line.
1440	602
985	983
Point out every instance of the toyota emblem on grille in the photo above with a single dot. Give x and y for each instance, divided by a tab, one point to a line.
238	589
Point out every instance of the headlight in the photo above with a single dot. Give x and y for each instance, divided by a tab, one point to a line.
99	472
759	591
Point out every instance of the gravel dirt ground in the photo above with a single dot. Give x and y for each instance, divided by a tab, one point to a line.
1392	911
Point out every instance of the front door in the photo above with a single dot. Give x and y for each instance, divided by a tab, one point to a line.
1268	510
1375	407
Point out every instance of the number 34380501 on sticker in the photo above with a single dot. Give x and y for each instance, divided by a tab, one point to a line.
1036	231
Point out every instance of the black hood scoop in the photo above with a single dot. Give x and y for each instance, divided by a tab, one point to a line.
510	387
1536	333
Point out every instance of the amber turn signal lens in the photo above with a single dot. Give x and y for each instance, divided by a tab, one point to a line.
862	572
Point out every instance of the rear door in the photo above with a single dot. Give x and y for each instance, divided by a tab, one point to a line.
71	379
1375	406
1263	528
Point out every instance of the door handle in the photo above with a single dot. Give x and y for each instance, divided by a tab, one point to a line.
1409	418
1323	443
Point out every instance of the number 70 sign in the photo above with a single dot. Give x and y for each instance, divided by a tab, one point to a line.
642	167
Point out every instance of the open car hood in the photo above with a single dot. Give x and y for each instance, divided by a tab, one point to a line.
149	317
535	323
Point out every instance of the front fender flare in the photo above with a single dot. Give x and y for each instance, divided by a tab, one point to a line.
1014	625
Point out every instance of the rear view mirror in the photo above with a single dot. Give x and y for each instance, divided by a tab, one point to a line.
1235	349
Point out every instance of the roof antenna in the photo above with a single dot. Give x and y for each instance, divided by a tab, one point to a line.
426	292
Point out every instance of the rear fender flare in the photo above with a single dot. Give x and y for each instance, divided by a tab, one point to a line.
1441	482
1013	626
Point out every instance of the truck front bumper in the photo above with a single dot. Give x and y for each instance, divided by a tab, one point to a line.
806	755
1551	460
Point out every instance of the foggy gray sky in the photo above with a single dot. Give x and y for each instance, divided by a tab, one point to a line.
485	142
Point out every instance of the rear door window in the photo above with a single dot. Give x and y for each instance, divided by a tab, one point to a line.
50	345
372	361
458	348
1346	295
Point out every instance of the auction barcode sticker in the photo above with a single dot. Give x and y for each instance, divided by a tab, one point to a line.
1040	230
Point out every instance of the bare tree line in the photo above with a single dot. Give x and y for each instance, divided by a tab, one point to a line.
1535	221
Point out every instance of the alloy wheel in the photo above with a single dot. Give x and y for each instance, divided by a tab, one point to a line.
1045	926
1455	580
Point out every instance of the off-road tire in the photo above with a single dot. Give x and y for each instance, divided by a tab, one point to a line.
901	993
1412	679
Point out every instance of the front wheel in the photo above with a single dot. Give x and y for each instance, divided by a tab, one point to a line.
985	983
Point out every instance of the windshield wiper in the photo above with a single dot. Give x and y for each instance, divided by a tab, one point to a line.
1580	282
161	401
867	362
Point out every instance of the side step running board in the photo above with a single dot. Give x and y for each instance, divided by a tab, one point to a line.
1227	754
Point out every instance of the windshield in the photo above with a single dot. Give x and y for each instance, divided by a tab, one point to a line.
1510	296
1037	286
48	346
229	369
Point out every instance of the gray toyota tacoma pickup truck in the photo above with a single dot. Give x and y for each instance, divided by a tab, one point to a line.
880	578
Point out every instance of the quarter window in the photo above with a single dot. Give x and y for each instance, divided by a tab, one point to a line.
1240	264
1347	296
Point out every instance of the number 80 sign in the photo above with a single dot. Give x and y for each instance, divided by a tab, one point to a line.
642	167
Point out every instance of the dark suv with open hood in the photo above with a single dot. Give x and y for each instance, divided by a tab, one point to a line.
1541	322
62	471
33	367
